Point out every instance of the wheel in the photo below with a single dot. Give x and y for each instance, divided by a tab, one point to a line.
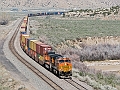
58	73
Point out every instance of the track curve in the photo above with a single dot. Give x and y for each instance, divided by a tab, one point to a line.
36	71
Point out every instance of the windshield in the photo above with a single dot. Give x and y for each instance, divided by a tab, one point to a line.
61	61
67	61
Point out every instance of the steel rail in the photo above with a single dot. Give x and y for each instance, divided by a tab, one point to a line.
31	67
75	84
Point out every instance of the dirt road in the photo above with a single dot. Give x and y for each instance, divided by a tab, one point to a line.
107	65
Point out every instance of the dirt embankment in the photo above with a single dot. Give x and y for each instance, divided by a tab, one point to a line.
7	80
106	65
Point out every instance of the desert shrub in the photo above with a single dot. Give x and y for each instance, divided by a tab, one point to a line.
97	79
99	76
100	52
3	22
91	52
82	73
4	19
4	88
56	32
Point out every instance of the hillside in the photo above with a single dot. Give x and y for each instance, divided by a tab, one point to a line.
64	4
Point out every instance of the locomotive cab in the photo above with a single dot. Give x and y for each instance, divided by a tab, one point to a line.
59	65
65	67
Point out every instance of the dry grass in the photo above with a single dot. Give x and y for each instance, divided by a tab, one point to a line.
4	19
7	82
66	38
98	79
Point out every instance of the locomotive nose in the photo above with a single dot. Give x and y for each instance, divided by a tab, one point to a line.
66	67
66	64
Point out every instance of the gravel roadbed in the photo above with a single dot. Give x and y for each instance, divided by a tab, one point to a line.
19	70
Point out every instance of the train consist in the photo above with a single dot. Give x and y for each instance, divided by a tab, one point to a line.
43	54
45	13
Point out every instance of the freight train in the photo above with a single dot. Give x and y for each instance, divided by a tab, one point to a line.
43	54
45	13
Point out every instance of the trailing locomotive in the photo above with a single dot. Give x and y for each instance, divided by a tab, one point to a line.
43	54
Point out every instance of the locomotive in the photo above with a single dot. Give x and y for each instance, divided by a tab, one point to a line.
43	54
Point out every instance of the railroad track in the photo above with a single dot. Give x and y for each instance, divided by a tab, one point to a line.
75	84
31	67
35	70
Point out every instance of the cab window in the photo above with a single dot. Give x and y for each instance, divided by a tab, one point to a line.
67	61
61	61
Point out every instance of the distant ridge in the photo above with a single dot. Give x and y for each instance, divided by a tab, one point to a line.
63	4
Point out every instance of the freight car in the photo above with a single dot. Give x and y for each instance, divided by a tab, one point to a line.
43	54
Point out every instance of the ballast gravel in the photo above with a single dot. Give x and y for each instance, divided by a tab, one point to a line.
20	71
27	75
